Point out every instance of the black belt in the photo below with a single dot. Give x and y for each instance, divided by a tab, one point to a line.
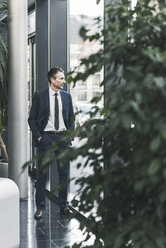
54	132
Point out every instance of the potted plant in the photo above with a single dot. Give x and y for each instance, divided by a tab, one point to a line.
3	93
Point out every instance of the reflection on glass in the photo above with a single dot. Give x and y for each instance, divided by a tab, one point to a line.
82	13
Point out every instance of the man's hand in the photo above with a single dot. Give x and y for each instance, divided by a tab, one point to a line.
38	140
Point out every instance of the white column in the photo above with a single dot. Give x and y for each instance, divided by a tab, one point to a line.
18	86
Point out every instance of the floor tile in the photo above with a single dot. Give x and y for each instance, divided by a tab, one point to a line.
51	231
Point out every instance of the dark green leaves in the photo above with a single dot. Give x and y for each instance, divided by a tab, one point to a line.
129	169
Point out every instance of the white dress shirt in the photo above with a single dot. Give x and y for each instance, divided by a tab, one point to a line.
50	125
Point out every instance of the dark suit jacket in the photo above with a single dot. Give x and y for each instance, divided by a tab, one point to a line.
39	112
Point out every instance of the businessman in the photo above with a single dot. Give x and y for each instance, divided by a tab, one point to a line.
51	115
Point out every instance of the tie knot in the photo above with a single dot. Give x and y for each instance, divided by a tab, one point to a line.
56	94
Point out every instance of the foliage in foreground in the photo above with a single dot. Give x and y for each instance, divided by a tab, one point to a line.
3	80
126	148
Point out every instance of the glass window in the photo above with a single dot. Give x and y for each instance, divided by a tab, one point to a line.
82	96
81	83
97	79
83	13
96	93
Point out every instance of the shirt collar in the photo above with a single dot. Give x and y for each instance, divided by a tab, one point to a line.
52	92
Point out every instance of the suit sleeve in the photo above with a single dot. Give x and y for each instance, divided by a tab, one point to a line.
33	117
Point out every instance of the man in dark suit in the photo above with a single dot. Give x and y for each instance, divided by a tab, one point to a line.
51	115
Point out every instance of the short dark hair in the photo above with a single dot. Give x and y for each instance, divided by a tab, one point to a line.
52	72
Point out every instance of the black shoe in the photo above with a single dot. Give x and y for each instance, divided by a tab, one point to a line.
39	214
64	211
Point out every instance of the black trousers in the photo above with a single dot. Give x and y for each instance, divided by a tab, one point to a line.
47	139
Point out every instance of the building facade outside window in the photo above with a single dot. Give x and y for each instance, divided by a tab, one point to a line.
82	13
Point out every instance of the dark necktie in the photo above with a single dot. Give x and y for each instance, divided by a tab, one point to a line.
56	112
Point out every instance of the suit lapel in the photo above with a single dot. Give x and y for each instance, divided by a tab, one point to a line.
63	103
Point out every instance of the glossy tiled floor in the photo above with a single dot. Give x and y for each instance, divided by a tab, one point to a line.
51	231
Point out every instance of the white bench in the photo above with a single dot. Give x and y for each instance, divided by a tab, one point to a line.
9	214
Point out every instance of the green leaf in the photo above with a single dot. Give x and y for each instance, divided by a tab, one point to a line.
162	197
164	133
160	82
139	185
155	144
154	167
98	1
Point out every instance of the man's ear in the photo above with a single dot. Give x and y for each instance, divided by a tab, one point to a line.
51	79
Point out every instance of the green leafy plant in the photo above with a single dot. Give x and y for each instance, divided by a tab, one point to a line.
3	82
126	148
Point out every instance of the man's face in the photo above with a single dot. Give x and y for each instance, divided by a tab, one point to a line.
58	81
